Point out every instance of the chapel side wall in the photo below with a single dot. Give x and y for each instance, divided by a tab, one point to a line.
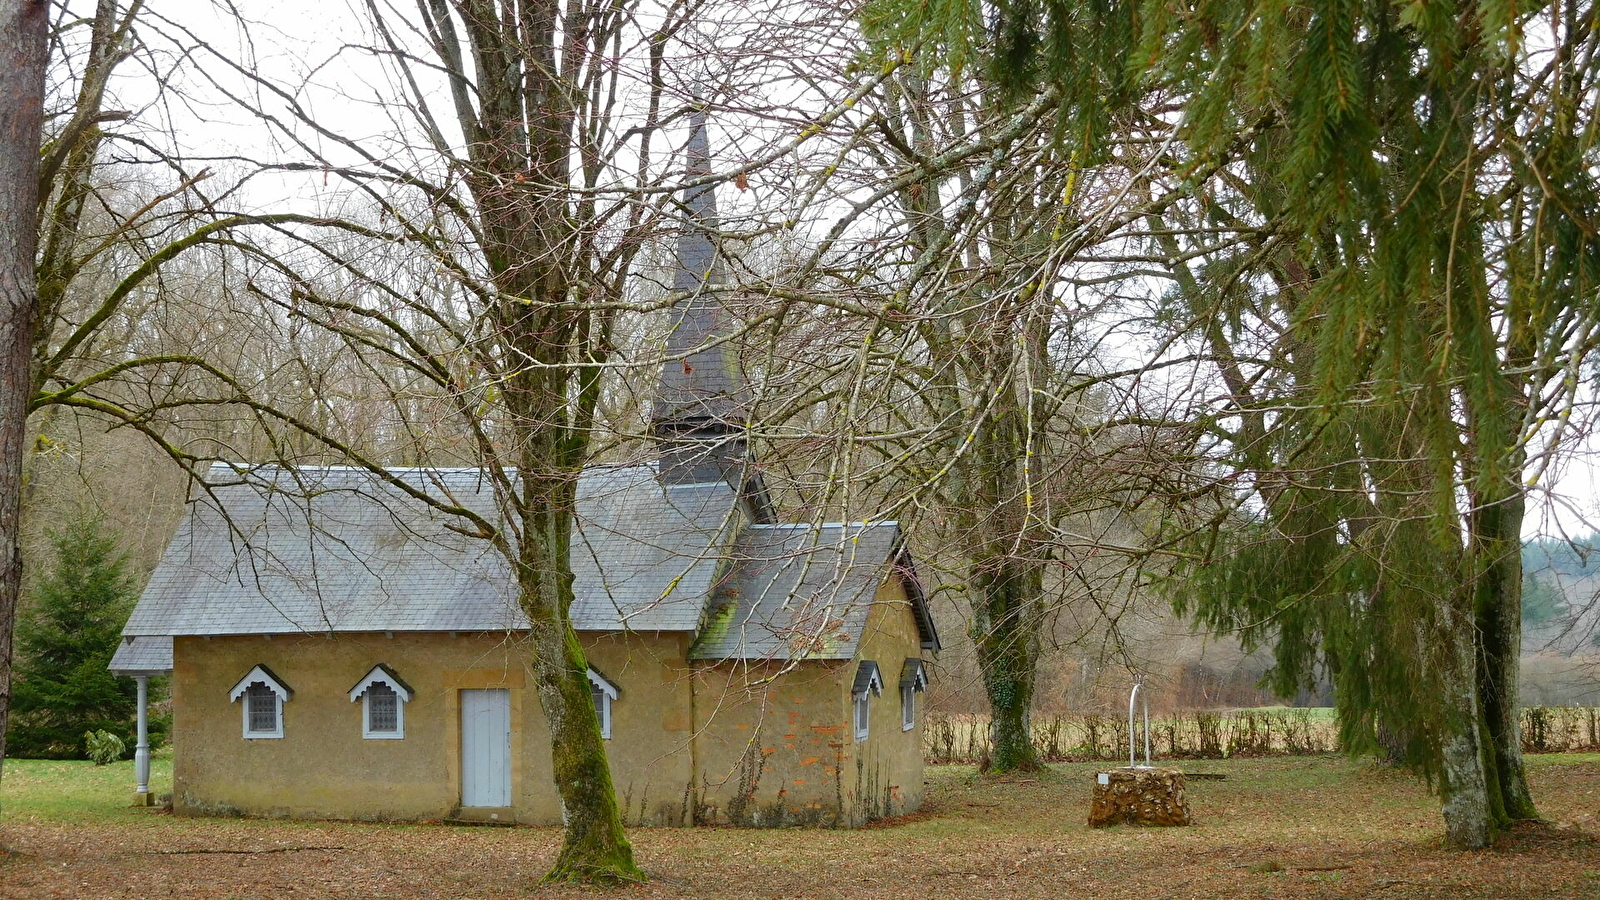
785	753
649	750
770	755
884	773
323	769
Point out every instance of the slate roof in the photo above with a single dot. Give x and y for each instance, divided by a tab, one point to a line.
797	591
148	655
644	555
703	382
339	550
336	549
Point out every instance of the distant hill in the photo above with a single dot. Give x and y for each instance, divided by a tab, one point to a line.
1560	614
1574	559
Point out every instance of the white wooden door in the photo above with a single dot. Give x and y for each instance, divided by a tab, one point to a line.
486	748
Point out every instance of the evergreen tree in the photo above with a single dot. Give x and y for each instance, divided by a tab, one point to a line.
1433	172
65	641
1424	176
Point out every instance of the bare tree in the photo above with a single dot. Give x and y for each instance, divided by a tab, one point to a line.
495	263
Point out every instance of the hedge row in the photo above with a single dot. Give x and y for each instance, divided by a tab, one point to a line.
1201	734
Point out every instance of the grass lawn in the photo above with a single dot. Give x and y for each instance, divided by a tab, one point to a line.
1300	827
44	790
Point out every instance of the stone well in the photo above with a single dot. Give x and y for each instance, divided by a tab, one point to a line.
1139	795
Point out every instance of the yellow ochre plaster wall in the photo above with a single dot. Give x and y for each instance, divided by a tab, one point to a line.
884	772
323	768
775	742
746	743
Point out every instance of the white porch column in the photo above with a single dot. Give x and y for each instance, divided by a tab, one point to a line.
141	751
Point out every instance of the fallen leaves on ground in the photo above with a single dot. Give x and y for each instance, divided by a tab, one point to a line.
1306	827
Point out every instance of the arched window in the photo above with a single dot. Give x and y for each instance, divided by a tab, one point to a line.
383	699
264	695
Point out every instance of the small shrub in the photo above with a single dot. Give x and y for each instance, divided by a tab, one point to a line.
1209	727
1091	735
103	747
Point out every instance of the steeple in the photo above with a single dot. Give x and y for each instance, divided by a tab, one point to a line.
702	405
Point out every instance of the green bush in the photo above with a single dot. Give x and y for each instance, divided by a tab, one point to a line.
104	747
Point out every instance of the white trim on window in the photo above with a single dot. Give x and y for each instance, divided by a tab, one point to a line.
264	695
375	691
913	680
602	692
868	684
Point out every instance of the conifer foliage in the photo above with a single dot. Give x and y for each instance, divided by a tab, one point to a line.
1438	221
1407	295
65	641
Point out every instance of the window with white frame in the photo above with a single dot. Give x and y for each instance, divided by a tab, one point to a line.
913	681
868	684
602	692
263	694
383	699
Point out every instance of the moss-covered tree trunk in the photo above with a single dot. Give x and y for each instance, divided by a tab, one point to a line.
1472	768
1496	396
1467	800
1005	582
1498	538
594	848
519	124
551	451
1496	354
1496	548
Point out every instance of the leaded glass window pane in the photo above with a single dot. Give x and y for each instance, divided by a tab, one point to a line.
383	708
263	705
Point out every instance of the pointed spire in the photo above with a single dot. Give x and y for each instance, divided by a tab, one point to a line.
701	408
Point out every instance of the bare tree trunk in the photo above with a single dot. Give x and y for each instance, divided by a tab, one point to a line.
22	65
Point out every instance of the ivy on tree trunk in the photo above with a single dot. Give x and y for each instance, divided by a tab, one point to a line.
1005	581
1005	634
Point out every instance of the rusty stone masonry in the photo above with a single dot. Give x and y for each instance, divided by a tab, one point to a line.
1139	796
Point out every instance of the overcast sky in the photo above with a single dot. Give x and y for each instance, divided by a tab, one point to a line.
314	49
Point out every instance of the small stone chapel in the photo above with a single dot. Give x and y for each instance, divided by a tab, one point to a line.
337	651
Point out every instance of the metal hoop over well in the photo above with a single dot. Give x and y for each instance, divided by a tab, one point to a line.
1133	697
